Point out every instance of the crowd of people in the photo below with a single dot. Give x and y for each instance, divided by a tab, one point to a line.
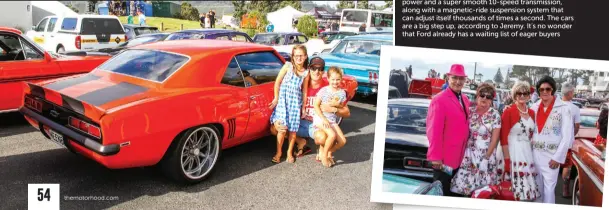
307	106
474	147
208	20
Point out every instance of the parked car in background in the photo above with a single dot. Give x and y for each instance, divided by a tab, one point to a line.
587	127
132	30
219	34
376	32
400	80
405	139
394	92
594	102
359	56
141	39
228	86
579	105
338	36
603	106
81	32
22	60
400	184
274	39
589	161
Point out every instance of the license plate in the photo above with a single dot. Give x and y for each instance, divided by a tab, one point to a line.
56	137
414	162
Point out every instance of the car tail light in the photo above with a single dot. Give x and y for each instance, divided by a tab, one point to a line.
370	76
126	38
77	42
33	104
85	127
375	76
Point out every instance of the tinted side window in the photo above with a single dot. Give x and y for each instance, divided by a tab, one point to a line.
91	26
30	52
41	25
51	24
263	67
240	38
69	24
232	76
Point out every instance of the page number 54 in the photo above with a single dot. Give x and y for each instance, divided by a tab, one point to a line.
43	196
44	193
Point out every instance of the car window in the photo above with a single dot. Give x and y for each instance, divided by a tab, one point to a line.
263	67
240	38
140	40
41	25
13	51
406	119
180	36
233	76
302	39
92	26
364	47
146	64
52	23
127	30
30	52
225	37
588	121
150	30
69	24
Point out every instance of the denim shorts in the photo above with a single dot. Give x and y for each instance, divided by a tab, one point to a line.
306	129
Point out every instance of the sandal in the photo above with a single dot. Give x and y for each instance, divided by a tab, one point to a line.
303	151
276	159
332	163
292	160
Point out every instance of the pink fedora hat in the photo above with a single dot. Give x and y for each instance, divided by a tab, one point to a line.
457	70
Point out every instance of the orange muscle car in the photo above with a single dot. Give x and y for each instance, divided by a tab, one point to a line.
176	103
22	60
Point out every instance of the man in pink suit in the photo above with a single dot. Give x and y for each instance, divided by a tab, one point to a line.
448	127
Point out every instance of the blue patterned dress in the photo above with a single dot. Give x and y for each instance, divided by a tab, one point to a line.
289	103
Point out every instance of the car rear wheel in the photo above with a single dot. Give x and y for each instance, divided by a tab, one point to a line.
192	158
575	197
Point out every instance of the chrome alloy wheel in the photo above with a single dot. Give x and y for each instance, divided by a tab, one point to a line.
199	153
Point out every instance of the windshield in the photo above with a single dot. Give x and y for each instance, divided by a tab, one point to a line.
406	119
268	39
146	64
141	40
361	47
180	36
382	20
588	121
355	16
140	31
92	26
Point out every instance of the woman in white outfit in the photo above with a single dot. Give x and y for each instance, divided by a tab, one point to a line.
517	128
552	137
207	21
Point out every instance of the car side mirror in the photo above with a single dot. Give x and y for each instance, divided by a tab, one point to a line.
47	57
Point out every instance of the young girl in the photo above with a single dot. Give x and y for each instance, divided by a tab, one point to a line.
288	99
328	121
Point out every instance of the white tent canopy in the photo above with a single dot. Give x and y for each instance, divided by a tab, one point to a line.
282	19
42	9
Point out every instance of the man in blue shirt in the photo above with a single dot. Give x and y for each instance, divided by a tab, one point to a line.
270	27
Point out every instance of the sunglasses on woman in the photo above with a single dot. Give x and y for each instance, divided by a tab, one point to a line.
549	89
487	96
523	94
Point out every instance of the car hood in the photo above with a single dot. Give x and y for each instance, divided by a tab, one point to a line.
360	60
399	184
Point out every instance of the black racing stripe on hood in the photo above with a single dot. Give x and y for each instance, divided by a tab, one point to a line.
37	91
71	82
111	93
72	104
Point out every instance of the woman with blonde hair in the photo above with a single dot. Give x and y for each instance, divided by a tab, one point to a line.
479	165
518	126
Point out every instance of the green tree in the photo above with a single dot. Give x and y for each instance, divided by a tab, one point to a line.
372	7
307	25
240	8
296	4
363	4
72	8
343	4
388	3
498	77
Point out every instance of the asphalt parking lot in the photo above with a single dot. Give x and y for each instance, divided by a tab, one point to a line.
245	177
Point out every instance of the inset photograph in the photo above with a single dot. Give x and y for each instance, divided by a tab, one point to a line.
476	128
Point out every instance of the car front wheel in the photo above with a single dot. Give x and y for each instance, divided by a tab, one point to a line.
192	158
575	192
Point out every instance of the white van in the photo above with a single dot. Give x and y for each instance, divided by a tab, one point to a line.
76	33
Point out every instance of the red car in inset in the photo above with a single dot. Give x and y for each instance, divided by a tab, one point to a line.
176	103
22	60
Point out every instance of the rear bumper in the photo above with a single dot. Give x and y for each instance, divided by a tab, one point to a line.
396	156
104	150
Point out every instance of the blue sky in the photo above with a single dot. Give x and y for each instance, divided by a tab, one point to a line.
420	67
